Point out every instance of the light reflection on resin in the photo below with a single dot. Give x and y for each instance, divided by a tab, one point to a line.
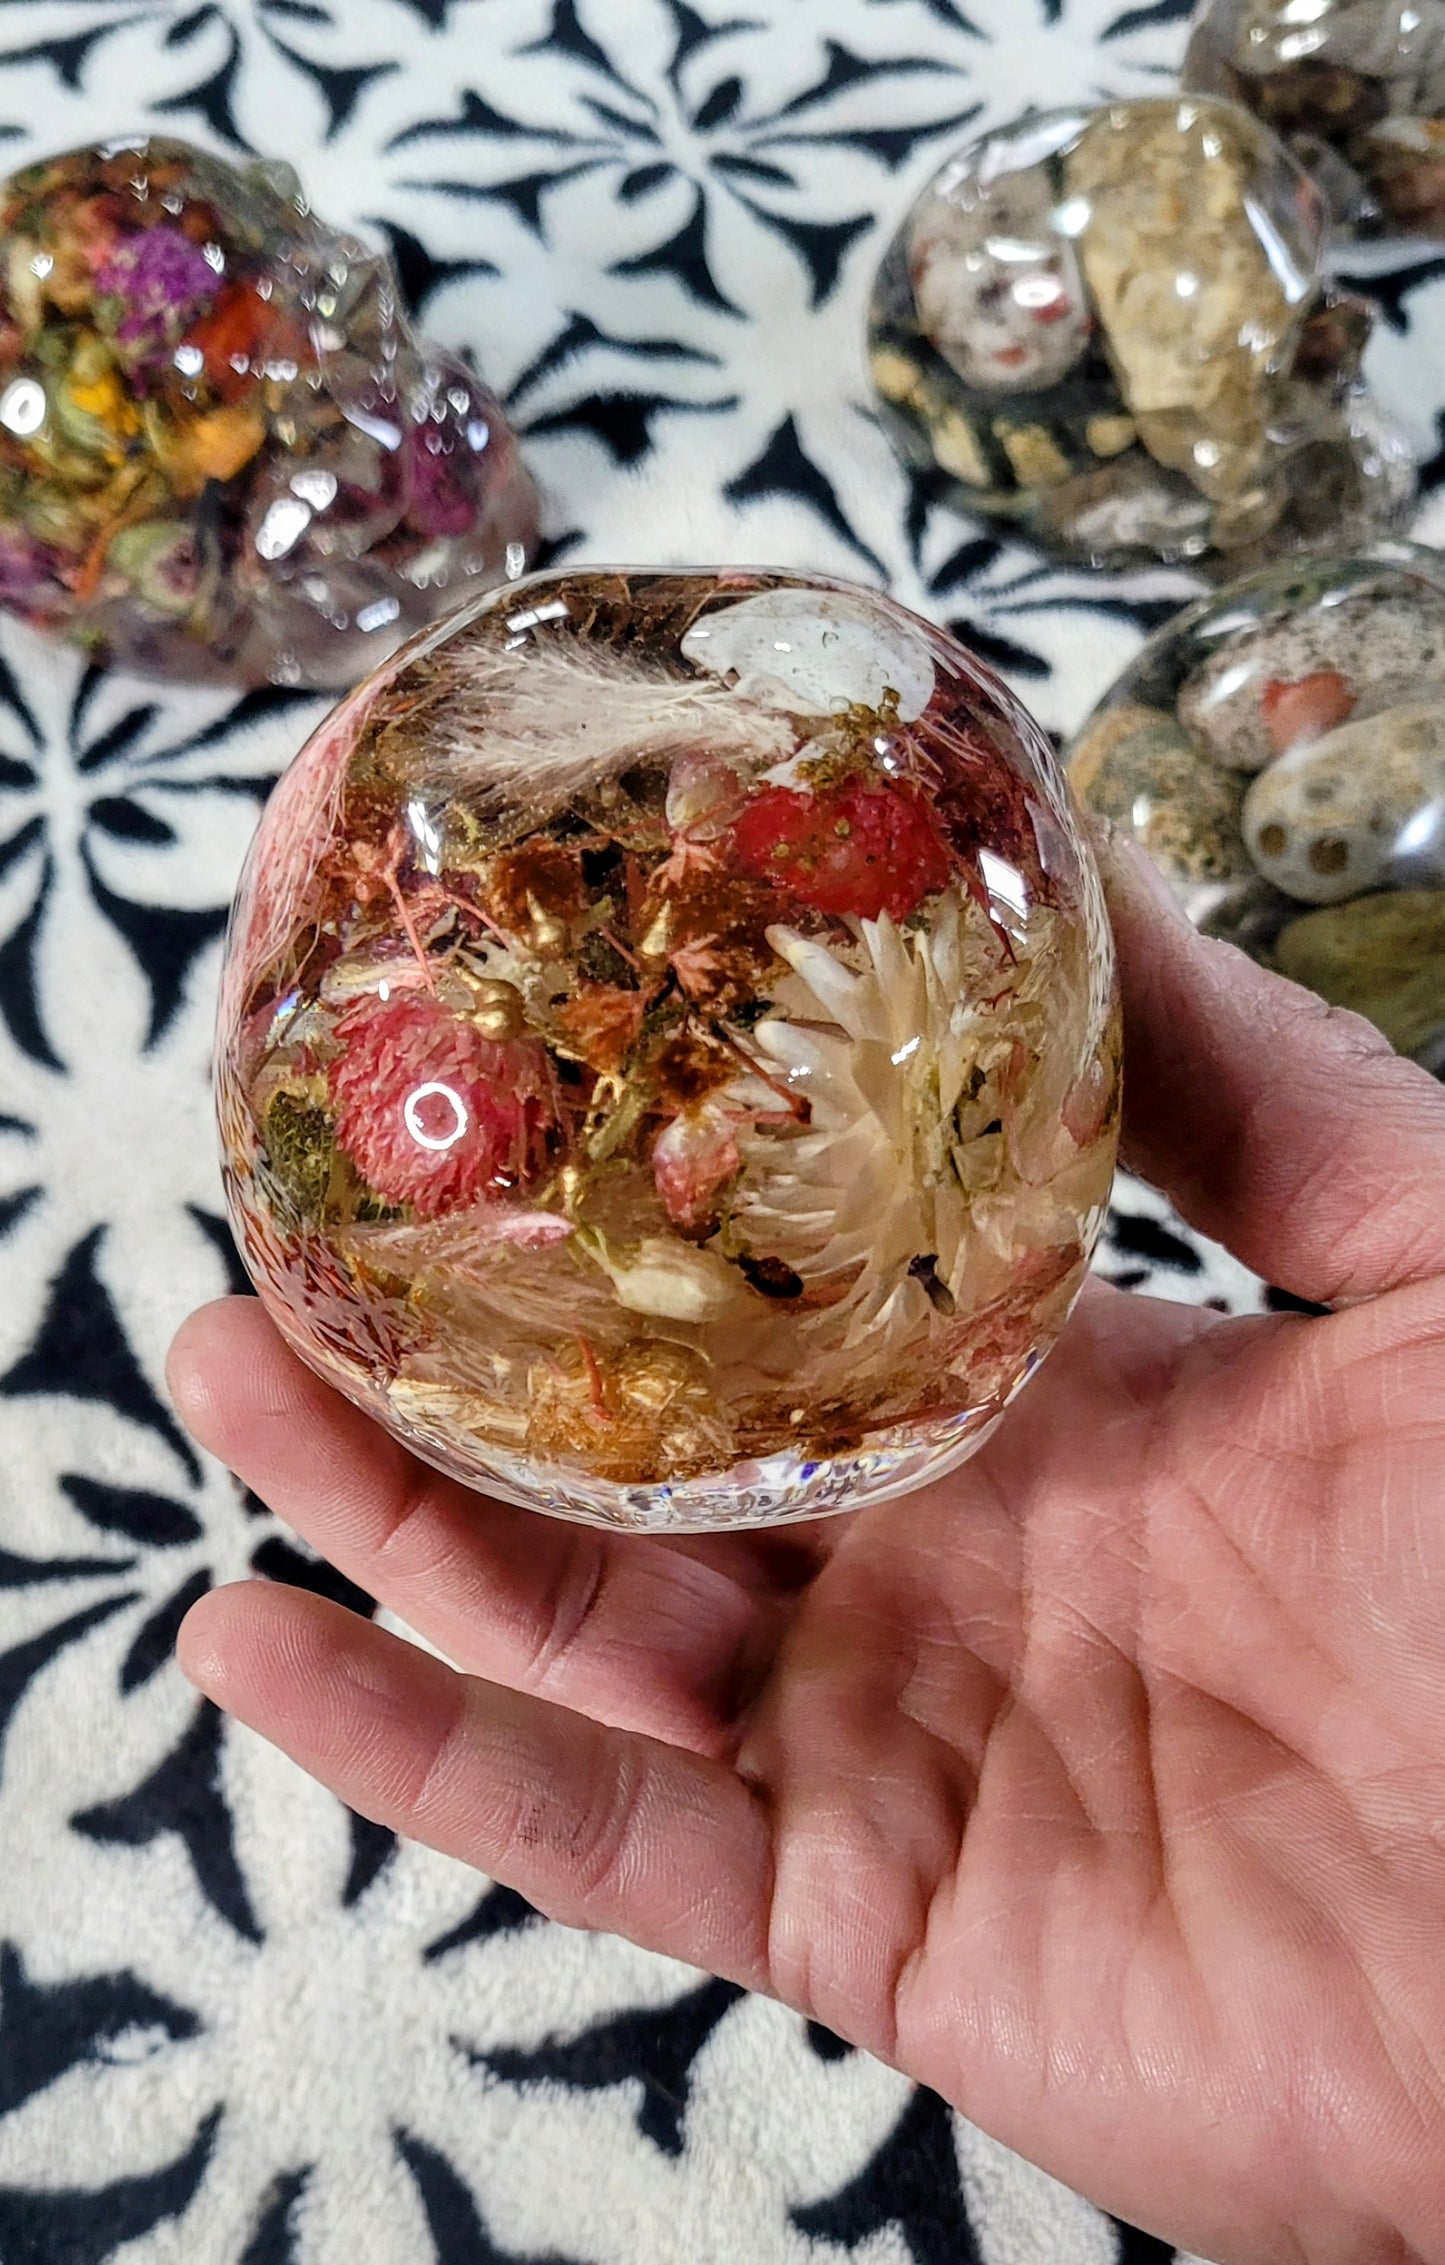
669	1053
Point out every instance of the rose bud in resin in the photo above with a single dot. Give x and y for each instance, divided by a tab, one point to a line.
1357	89
1113	329
224	452
669	1051
1279	750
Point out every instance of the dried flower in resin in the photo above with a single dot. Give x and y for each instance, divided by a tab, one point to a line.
1280	752
669	1055
1114	329
224	453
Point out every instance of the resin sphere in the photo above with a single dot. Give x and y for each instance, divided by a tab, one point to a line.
1112	328
1280	752
224	452
1356	87
669	1054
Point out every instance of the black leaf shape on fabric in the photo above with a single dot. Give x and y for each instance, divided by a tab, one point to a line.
1432	476
1142	2249
1001	652
432	12
14	1207
568	36
822	245
785	469
501	1911
273	2241
655	2047
117	739
184	1796
153	1519
19	999
911	2183
452	2215
339	85
280	1560
420	272
81	1352
1285	1301
622	421
214	98
642	180
23	1662
694	33
31	1572
128	821
477	116
717	107
1140	1237
891	145
1392	292
943	12
372	1848
844	69
47	2028
69	2226
218	1233
523	196
67	57
1145	19
579	333
165	940
155	1639
825	2044
684	257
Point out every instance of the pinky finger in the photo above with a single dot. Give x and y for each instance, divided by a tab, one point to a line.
599	1828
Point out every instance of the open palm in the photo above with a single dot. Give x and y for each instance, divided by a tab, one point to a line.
1100	1786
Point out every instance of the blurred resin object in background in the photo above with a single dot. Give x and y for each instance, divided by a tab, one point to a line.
224	452
669	1054
1356	87
1112	327
1280	752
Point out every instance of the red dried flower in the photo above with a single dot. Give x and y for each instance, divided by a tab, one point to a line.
432	1113
865	847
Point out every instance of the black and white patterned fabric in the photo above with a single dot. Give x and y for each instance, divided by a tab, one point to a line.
239	2026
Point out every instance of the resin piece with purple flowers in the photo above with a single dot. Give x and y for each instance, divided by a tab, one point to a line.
224	452
669	1055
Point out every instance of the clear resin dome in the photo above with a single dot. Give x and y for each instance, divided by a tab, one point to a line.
225	455
1280	752
1112	328
1357	89
668	1062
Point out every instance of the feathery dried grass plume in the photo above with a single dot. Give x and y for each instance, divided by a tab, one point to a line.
524	732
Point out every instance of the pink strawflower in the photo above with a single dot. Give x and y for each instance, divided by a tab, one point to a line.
162	279
432	1113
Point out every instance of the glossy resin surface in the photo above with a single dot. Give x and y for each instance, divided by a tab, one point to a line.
1280	752
224	452
669	1053
1112	328
1356	87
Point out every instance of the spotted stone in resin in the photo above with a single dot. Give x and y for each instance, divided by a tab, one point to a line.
1327	681
669	1054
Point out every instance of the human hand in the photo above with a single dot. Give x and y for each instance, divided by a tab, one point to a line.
1100	1786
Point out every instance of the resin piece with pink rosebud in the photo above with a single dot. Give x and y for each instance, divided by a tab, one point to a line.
225	455
669	1050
